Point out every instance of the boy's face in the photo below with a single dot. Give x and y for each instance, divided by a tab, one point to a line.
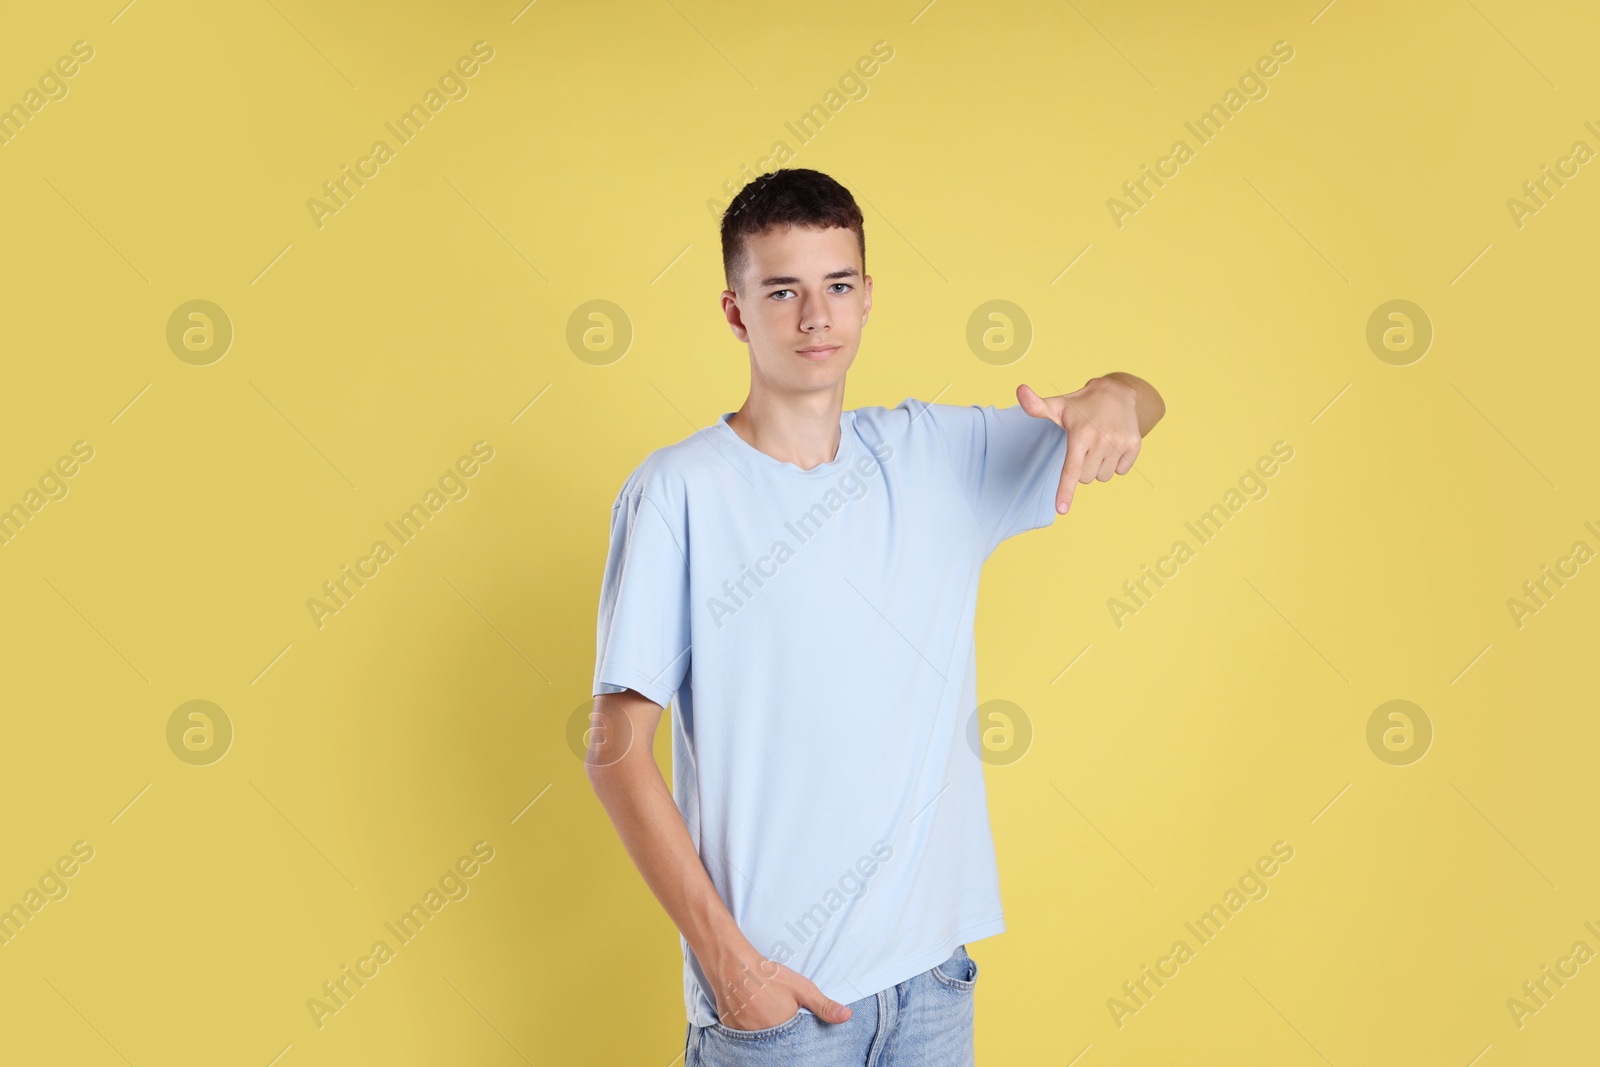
801	306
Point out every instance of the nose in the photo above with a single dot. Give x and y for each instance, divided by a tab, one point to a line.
814	314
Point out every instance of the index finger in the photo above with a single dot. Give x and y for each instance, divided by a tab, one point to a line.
1069	477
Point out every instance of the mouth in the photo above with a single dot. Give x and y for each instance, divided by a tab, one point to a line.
817	352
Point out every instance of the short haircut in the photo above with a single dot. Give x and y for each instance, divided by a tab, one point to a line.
780	198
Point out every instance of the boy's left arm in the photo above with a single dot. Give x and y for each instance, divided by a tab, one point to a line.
1105	421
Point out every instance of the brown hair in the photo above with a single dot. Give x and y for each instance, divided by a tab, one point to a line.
788	197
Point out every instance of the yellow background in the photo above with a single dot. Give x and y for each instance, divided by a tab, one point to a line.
431	311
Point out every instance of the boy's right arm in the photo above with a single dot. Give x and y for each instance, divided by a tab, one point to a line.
752	991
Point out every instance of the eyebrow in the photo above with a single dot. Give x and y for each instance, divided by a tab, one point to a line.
847	272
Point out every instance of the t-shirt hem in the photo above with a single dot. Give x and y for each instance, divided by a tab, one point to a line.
911	966
636	680
906	968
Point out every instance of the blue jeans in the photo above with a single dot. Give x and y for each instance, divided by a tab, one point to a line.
924	1021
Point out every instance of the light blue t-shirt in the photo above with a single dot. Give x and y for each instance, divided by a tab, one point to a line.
815	629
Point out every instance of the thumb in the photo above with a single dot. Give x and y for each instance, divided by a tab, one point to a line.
1033	403
829	1011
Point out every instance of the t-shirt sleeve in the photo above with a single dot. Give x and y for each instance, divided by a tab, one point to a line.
1008	462
642	641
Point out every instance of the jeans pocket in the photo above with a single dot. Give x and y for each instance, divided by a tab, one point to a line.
960	971
766	1032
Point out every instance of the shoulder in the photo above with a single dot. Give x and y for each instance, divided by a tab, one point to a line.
913	413
911	416
665	477
915	422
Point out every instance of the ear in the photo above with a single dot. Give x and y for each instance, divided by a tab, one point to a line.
731	312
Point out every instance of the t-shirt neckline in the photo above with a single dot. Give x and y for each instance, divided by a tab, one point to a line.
762	461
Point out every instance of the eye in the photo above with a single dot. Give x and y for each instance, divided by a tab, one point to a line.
844	285
776	292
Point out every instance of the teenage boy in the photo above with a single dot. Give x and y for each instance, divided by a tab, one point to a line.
802	580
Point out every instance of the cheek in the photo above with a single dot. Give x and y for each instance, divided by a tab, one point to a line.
780	316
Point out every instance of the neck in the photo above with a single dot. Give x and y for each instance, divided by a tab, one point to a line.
804	431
